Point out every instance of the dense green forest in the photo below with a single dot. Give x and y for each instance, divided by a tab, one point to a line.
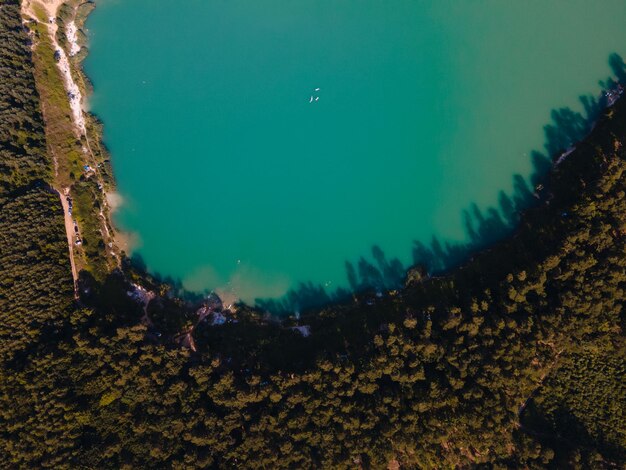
22	141
36	290
515	360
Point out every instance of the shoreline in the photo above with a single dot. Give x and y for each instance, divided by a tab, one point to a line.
111	200
94	159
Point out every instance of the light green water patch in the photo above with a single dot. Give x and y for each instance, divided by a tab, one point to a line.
239	175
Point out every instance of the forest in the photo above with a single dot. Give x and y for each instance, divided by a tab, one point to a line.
515	359
36	289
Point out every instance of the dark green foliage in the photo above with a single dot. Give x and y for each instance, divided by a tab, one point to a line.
583	404
35	284
22	142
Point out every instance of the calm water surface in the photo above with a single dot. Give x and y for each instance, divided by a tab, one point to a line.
234	180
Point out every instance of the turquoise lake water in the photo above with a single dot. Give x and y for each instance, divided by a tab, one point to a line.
233	180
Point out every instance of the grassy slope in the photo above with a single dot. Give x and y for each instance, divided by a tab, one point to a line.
67	152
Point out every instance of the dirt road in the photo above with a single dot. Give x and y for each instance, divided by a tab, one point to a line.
69	231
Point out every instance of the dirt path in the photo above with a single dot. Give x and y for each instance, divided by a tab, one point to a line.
69	231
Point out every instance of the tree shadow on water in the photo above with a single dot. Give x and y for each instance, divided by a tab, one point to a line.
483	227
377	274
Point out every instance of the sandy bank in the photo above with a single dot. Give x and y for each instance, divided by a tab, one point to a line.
71	32
74	94
50	6
125	241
